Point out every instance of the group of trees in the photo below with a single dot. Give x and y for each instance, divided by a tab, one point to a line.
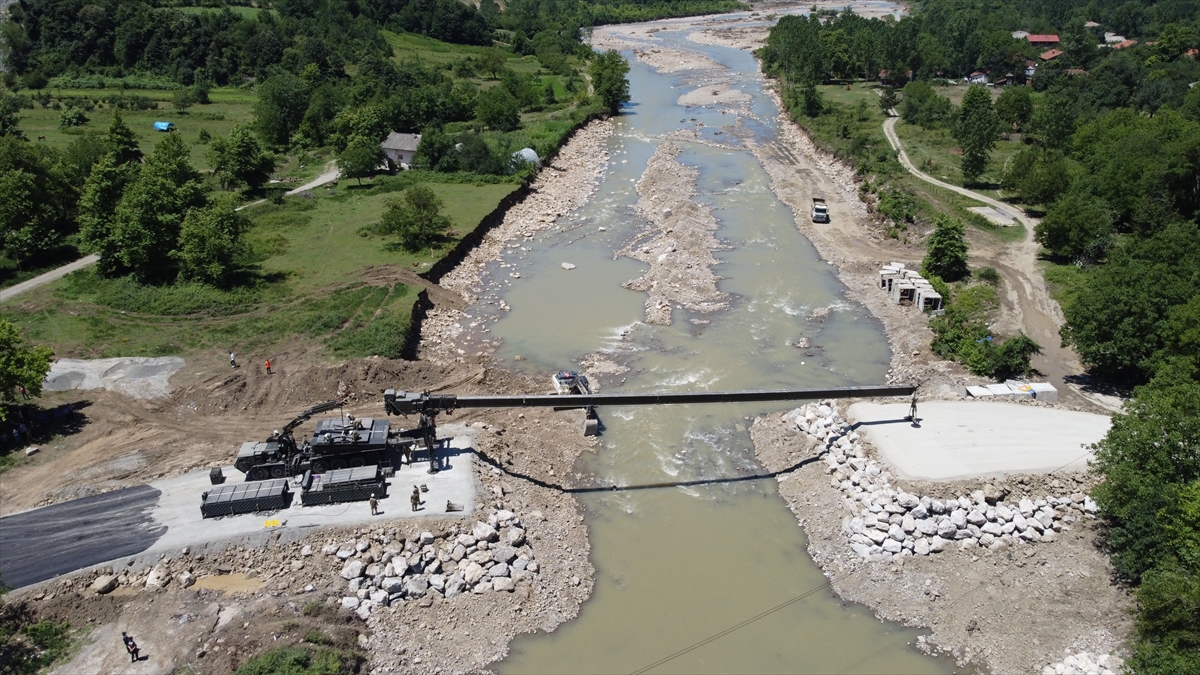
1150	499
46	38
152	220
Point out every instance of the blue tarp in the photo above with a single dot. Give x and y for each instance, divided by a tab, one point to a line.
164	126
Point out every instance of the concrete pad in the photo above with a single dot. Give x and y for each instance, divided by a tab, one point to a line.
179	506
138	377
971	439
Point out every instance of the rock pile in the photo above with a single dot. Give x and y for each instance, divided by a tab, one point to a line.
890	523
381	572
1085	663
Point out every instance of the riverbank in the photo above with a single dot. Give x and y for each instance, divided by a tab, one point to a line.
1016	605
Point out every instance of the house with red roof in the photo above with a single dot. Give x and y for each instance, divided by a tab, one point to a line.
1125	45
1043	40
1051	55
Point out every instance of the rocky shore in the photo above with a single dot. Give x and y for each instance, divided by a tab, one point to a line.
561	187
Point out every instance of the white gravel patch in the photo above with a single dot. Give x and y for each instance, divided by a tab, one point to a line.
137	377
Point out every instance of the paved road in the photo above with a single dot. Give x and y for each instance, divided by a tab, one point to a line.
44	543
52	275
1040	314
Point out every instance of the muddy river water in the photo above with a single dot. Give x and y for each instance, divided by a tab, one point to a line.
709	574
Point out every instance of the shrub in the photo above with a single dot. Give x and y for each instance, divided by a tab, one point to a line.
988	274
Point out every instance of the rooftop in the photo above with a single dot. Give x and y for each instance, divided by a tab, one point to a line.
398	141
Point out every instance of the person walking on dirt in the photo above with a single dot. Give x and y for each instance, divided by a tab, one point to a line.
131	647
24	394
374	505
416	498
268	366
232	360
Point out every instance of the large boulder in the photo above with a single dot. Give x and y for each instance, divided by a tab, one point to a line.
498	570
158	578
350	602
392	585
186	579
503	554
352	570
106	583
454	586
472	573
484	532
503	584
415	587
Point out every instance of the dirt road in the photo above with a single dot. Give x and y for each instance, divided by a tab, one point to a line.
1038	313
53	275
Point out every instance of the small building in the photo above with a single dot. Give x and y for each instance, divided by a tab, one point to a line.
1126	44
1042	40
907	287
1050	55
1091	24
1030	68
978	77
164	126
1113	38
400	148
1075	72
1020	34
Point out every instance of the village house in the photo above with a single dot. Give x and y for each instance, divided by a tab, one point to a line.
400	149
1042	40
1051	55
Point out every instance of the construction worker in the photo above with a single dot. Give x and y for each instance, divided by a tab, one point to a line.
268	366
374	505
131	647
416	498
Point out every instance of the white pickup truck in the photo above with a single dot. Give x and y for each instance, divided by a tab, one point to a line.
820	212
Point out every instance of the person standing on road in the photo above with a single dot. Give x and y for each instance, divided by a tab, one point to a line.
374	505
912	409
268	366
131	647
416	498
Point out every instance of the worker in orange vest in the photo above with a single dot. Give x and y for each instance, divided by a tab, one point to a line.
268	366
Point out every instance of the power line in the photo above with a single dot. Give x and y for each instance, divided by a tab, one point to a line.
743	624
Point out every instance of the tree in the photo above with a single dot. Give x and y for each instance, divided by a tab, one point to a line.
361	158
1053	122
888	100
946	250
493	60
282	100
1117	318
1074	227
98	203
1015	107
72	117
608	71
210	240
498	109
36	200
976	131
147	222
10	122
21	365
417	219
121	141
1150	452
240	160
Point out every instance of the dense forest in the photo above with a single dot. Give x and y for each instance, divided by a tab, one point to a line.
1110	161
52	38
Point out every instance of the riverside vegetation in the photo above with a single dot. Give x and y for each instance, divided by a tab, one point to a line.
1107	149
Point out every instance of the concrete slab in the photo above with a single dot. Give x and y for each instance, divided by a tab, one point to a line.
995	215
164	516
969	439
179	506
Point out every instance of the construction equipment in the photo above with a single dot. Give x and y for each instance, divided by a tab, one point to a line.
820	212
337	443
429	406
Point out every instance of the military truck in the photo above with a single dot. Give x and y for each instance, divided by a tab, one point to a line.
337	443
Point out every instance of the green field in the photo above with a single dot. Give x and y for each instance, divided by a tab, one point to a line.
230	107
936	153
305	259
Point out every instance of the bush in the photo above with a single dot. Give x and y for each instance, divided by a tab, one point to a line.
988	274
293	661
72	117
946	250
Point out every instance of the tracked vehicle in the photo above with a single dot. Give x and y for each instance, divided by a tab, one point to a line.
337	443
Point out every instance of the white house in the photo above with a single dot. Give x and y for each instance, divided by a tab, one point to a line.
400	148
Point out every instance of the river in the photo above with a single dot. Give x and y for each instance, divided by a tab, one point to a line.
711	575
